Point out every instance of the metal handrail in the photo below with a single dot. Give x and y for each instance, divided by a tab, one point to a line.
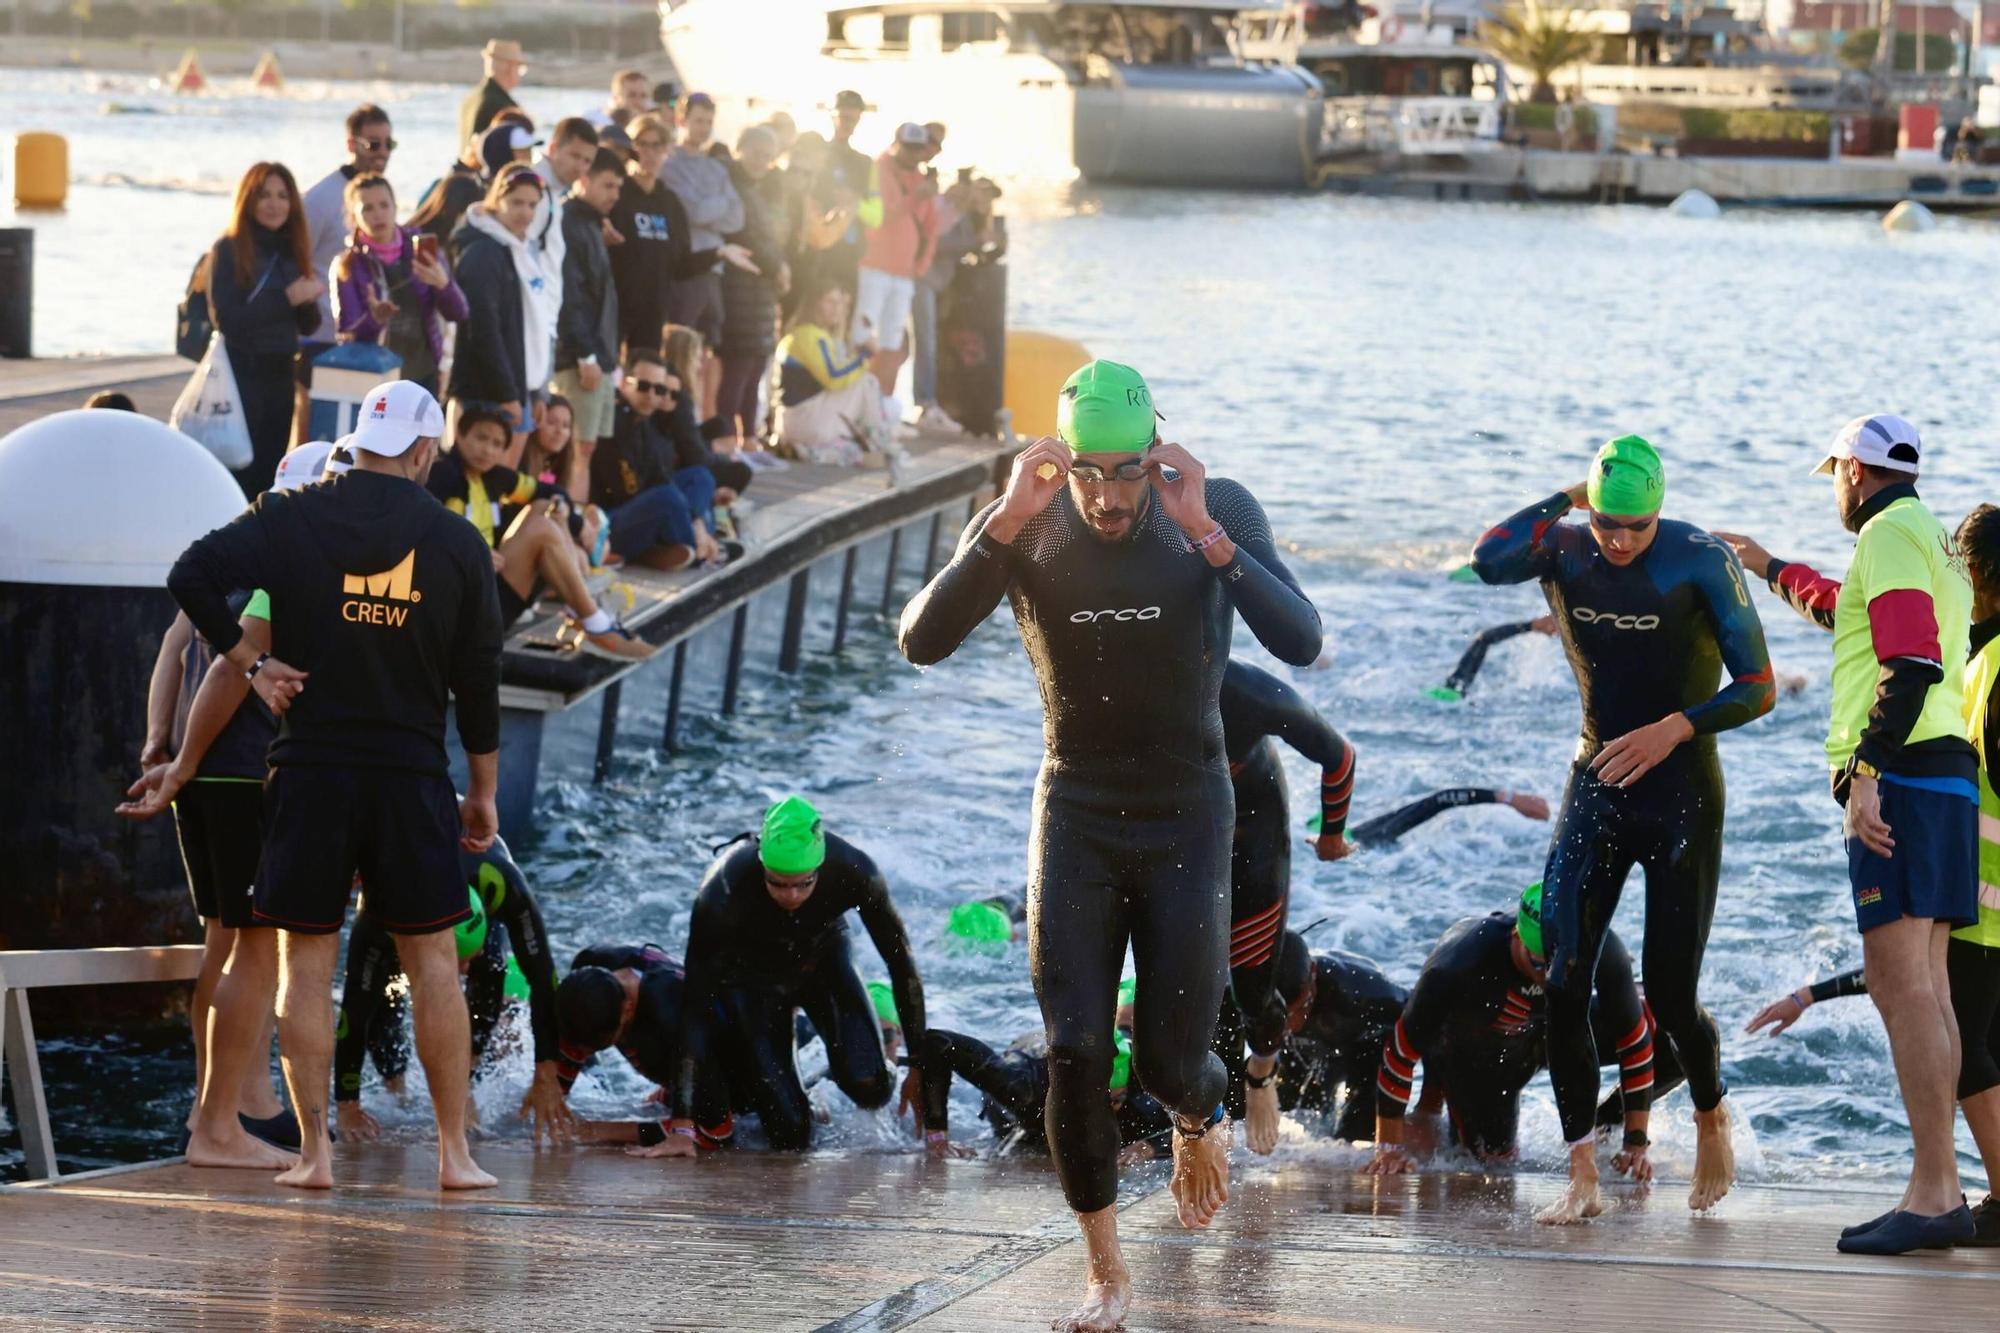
23	970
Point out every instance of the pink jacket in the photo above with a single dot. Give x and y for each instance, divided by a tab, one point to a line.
903	244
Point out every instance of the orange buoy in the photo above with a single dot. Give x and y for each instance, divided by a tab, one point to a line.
188	78
41	169
267	74
1037	365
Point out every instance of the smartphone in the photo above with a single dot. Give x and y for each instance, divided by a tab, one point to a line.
427	247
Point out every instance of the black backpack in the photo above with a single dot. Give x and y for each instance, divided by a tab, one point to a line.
193	325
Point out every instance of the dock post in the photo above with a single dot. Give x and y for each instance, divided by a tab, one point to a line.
846	597
31	1105
889	577
739	625
670	738
795	622
607	730
930	545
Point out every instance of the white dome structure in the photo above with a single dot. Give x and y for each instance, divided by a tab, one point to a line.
106	499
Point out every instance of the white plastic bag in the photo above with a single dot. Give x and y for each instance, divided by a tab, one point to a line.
210	410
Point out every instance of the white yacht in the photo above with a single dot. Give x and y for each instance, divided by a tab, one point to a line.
1154	93
1410	85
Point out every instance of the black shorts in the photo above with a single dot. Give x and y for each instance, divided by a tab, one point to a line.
221	825
697	303
397	830
512	604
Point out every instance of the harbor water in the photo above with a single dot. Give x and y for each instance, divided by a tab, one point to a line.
1390	378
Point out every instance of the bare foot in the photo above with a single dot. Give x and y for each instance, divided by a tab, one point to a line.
1580	1201
310	1173
457	1171
1200	1182
1260	1122
1105	1301
236	1148
1714	1158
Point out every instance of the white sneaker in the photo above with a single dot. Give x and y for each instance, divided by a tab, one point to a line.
934	420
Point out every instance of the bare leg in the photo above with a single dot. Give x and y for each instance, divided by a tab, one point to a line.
216	941
1714	1158
1581	1201
1898	959
305	1041
1200	1182
258	1100
238	1013
1107	1291
535	545
1261	1106
444	1044
665	558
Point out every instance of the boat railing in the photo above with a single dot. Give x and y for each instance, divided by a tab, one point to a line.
23	970
1413	126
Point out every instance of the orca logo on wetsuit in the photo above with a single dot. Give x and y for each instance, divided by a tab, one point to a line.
1128	613
1613	619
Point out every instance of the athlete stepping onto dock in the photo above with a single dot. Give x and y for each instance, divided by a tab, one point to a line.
1650	610
1126	567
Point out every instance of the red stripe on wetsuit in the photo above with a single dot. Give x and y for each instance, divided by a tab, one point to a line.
1397	1077
1336	790
1253	939
1635	1056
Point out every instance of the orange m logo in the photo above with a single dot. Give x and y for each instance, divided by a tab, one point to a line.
393	584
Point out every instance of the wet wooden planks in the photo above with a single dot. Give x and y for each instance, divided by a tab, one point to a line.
858	1243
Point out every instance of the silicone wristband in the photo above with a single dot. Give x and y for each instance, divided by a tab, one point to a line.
1211	539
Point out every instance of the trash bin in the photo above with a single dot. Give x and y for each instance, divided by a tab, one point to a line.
17	291
342	376
972	346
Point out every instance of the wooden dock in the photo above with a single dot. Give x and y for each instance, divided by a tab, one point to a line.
588	1238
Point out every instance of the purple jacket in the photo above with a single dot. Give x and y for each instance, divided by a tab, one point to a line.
350	296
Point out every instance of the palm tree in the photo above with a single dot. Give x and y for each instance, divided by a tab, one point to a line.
1540	38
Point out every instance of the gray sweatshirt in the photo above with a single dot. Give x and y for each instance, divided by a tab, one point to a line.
328	232
703	186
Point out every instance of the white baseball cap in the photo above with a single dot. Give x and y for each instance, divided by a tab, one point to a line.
395	416
1881	440
302	466
910	132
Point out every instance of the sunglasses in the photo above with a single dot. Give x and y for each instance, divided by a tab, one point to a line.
1604	524
377	145
653	386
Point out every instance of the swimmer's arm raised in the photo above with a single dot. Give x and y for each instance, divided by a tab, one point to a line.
960	597
1519	548
1260	587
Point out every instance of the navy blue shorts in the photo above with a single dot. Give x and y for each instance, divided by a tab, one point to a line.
1935	871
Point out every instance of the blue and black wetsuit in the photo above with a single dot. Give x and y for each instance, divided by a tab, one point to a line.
1257	707
1480	1029
1133	808
1646	640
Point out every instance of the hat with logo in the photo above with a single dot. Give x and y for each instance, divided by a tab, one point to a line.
1882	440
303	466
910	132
469	935
792	842
1106	408
395	416
1528	920
883	997
1627	478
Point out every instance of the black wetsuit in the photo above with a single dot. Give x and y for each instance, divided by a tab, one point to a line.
1133	808
1015	1085
1257	706
1646	641
1385	829
752	965
1461	677
372	1006
652	1042
1478	1027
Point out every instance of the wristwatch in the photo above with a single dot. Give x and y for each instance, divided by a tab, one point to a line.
1863	769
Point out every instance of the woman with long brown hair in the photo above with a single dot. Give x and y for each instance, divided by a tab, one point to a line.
263	296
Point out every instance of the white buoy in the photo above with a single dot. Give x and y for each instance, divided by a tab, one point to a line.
1695	204
1909	216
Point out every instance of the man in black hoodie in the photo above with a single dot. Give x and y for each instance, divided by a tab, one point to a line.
587	327
384	601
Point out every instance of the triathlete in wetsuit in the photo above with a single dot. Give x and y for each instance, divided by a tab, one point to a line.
371	1006
1385	829
633	997
1256	708
1651	610
1459	682
1125	583
1476	1019
1015	1085
768	937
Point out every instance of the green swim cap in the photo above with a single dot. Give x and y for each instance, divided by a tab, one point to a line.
792	842
515	987
1106	408
470	934
1627	478
981	923
883	996
1528	921
1128	991
1121	1060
